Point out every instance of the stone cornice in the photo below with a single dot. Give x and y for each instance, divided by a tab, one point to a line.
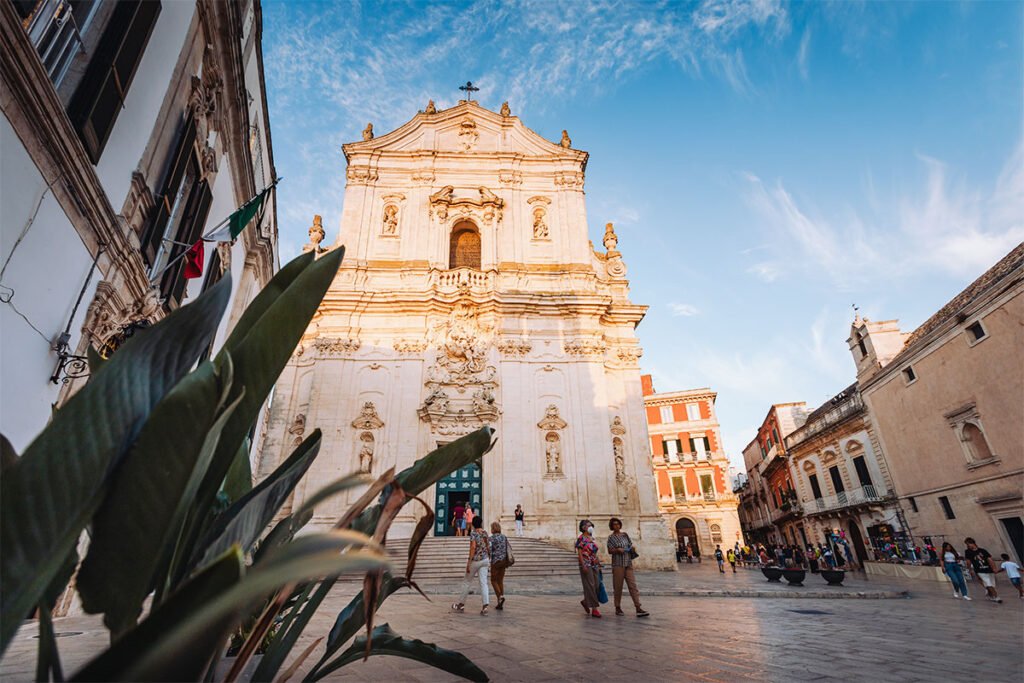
34	110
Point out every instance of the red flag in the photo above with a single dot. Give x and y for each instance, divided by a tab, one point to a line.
194	261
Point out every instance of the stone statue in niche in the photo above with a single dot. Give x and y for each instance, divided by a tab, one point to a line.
566	141
366	452
431	108
483	400
553	453
297	428
368	132
540	226
390	220
620	460
505	109
316	236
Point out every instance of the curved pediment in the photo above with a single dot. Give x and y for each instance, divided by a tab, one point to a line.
466	128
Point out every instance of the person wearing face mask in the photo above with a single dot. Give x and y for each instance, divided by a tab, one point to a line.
590	567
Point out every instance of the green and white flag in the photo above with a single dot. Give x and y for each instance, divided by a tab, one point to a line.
236	222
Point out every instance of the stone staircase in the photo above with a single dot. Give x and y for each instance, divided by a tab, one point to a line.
442	559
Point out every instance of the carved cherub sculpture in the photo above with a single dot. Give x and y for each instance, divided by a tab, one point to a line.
368	132
566	140
505	110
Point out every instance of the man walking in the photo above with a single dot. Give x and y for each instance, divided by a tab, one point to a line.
731	556
983	567
720	558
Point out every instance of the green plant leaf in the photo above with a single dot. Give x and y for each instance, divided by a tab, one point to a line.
176	641
423	473
51	494
48	656
387	642
94	359
8	456
261	345
238	481
246	520
133	526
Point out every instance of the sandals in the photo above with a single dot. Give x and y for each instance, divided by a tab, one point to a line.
585	608
619	612
483	610
501	603
458	607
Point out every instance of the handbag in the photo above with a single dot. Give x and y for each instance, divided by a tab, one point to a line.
602	594
633	554
508	553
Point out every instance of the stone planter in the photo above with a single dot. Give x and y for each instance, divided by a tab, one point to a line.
834	577
773	574
795	577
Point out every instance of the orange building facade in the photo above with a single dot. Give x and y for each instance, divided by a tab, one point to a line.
691	469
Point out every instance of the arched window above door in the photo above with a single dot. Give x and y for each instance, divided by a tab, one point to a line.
464	246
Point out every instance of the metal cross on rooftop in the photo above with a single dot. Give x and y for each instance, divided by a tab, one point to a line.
469	89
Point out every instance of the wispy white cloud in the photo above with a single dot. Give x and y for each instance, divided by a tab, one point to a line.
947	226
685	310
803	54
766	271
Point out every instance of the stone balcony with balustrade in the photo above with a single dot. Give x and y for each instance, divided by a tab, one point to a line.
865	495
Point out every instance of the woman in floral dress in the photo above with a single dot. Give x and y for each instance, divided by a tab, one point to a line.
590	567
476	565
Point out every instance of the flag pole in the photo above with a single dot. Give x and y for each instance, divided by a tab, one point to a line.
205	238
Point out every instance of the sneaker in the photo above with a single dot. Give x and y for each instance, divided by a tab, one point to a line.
458	607
643	613
967	598
956	595
619	612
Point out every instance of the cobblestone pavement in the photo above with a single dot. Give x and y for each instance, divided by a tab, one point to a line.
927	636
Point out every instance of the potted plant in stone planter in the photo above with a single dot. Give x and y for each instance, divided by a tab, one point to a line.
794	576
834	577
773	574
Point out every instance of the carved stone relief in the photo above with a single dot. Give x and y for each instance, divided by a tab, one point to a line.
585	347
297	429
485	209
569	179
366	423
617	428
629	354
335	346
468	135
359	175
620	460
389	226
514	347
410	345
368	418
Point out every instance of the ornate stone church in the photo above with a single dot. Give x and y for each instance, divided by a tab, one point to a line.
470	295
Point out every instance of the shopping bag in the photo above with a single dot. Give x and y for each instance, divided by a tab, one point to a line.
602	594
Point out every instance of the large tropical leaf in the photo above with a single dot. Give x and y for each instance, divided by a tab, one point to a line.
176	641
48	497
8	456
247	519
386	642
423	473
132	529
238	481
260	346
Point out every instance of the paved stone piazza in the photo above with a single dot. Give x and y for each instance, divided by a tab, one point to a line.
704	626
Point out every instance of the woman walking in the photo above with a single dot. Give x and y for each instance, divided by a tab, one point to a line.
951	567
476	565
501	559
620	547
520	516
590	567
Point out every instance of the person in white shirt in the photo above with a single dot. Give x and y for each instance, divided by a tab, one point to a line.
1012	570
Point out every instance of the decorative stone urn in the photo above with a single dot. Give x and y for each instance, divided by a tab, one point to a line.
773	574
795	577
834	577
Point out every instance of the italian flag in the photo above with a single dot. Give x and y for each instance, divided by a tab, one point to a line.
230	228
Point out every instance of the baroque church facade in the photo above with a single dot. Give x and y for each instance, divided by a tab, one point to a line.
470	295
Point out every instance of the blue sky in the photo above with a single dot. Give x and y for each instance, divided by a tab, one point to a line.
766	165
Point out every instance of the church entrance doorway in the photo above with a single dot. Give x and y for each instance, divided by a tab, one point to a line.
686	533
464	485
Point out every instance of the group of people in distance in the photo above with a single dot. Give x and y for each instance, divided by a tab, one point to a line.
491	554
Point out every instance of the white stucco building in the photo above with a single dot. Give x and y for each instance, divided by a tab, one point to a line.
470	294
128	129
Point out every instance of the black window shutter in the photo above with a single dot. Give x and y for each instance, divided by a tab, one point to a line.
172	183
99	97
173	285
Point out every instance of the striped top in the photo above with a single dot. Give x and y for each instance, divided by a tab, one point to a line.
620	540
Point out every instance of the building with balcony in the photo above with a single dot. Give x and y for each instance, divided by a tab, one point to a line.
128	129
769	504
946	403
691	471
842	481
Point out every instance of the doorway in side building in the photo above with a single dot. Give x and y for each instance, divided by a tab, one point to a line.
464	485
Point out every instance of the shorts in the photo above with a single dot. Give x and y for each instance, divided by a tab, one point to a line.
1015	581
988	579
460	524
